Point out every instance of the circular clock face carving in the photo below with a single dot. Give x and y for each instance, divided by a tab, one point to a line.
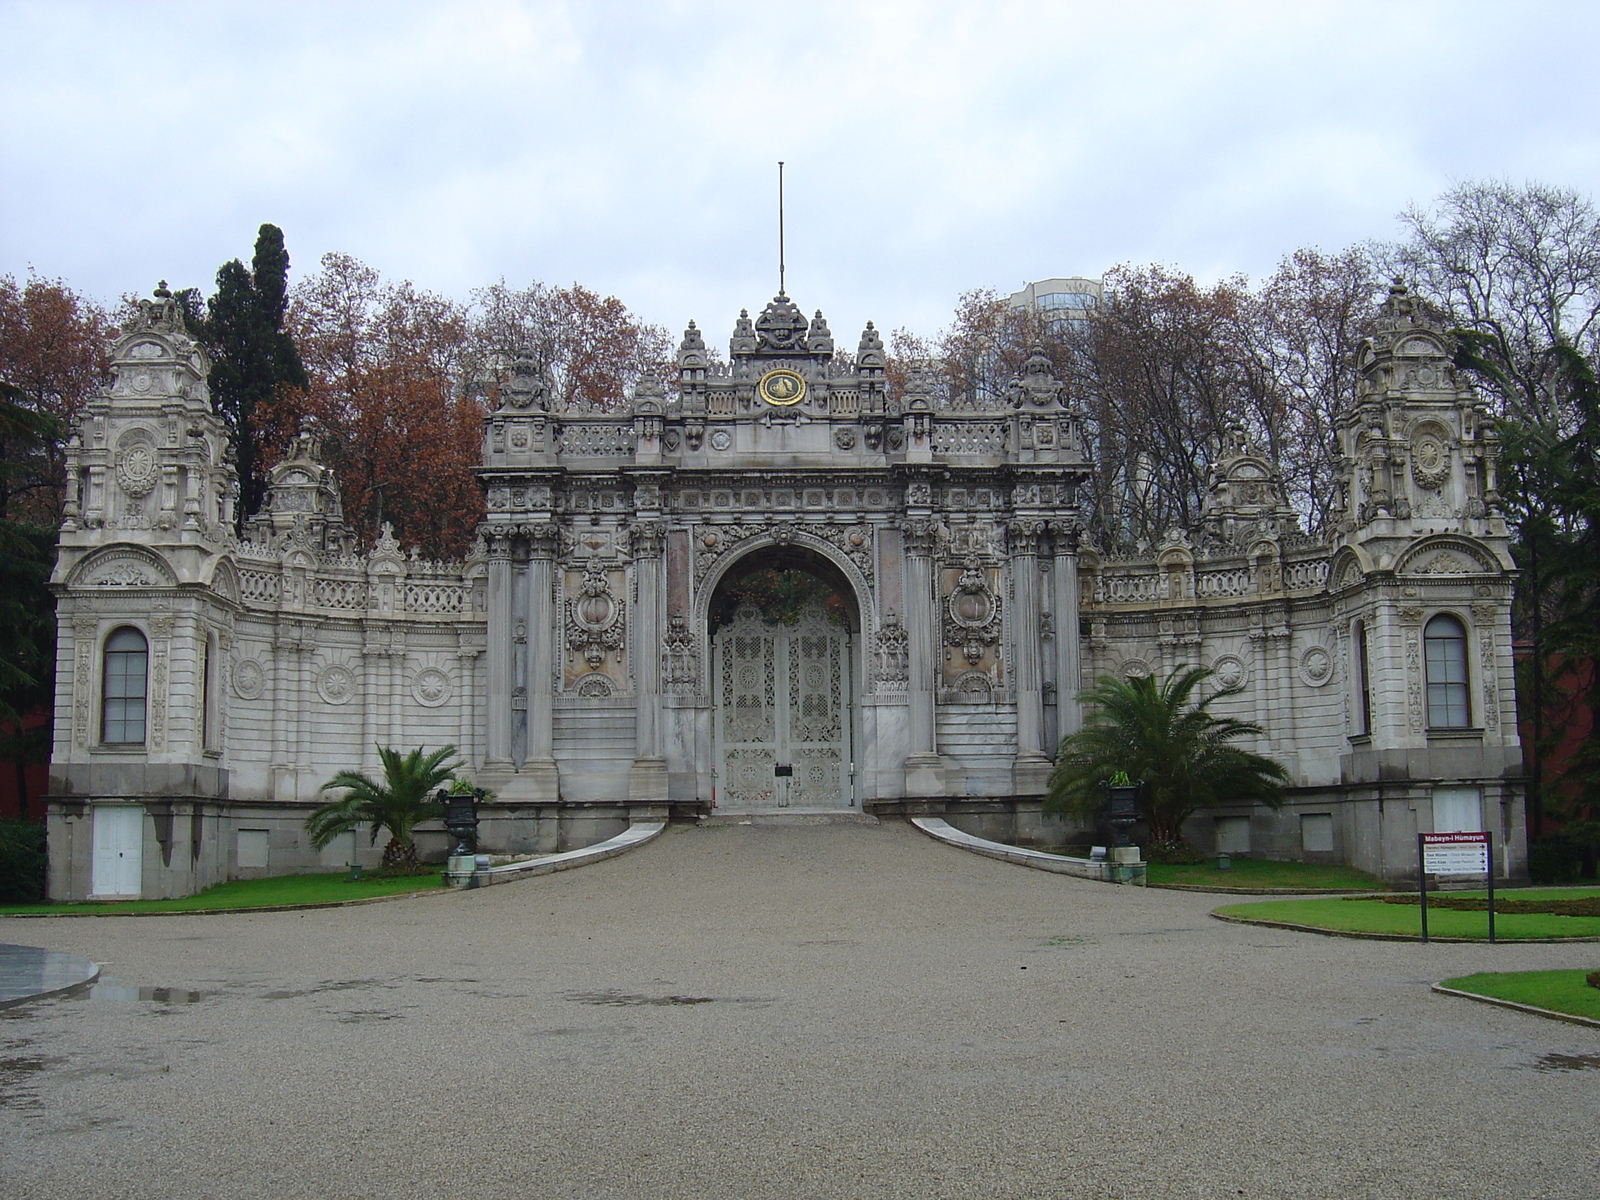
781	387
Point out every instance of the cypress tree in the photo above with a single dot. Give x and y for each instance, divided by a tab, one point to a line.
252	356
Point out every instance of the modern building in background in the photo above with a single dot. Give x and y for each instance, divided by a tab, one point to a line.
1060	299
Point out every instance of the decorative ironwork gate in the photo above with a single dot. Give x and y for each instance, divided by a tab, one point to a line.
783	713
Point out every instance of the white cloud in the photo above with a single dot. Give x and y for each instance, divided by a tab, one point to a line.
933	147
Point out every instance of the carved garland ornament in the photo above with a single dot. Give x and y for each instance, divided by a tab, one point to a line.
972	615
594	619
1430	462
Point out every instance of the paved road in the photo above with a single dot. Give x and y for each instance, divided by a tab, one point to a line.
750	1012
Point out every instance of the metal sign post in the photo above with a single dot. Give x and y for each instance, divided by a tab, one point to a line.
1454	854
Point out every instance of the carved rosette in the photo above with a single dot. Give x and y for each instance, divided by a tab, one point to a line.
1430	462
594	620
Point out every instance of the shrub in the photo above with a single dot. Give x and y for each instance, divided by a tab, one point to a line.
1174	853
23	861
1554	859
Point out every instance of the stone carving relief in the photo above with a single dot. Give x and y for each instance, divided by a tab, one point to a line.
890	651
84	629
1486	669
1135	668
137	467
681	671
713	542
594	620
1316	666
1231	670
1413	643
249	679
431	687
1430	462
336	684
972	616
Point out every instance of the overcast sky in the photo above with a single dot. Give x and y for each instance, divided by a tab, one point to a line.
931	147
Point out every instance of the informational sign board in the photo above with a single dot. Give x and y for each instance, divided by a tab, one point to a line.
1455	853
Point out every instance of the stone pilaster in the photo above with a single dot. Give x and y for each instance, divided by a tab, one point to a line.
538	778
1069	666
647	778
497	747
1031	772
924	771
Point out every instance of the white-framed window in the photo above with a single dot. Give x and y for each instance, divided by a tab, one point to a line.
124	682
1444	642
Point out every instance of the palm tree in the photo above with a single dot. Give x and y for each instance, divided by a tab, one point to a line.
1157	732
398	804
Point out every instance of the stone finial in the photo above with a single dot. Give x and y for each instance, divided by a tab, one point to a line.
869	352
819	340
692	350
919	387
744	335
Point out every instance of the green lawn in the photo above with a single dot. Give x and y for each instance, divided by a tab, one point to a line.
250	893
1258	873
1559	991
1376	916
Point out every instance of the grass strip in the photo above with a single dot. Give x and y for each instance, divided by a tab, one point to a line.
247	893
1558	991
1260	873
1362	915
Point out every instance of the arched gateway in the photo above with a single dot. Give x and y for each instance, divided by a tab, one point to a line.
785	685
778	584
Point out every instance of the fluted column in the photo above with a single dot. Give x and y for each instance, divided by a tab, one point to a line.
544	630
647	779
924	773
497	744
1069	666
1032	769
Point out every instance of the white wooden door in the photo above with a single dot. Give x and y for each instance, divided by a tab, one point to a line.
118	850
783	713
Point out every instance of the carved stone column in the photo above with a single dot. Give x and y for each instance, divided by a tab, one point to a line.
1031	772
924	771
1069	667
497	743
647	779
539	778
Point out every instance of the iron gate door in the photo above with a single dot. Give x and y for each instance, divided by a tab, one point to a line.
783	713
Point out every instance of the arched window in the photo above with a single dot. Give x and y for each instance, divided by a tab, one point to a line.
123	707
1445	645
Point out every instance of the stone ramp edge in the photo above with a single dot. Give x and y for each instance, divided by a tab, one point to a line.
941	830
630	838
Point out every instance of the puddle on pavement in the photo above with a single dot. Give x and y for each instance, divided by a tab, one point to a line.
1568	1062
628	1000
119	992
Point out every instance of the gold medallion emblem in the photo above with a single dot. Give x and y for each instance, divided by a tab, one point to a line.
781	387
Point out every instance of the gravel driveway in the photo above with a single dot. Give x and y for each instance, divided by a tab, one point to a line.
741	1012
